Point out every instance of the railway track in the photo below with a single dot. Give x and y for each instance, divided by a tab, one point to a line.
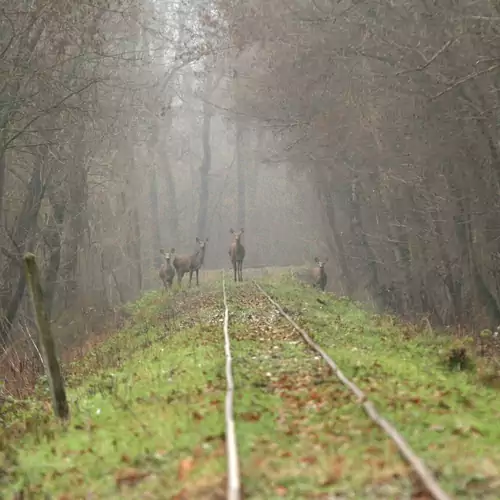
235	484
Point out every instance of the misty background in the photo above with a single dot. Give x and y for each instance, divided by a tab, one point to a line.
363	131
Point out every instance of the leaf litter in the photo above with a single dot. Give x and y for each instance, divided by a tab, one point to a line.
311	434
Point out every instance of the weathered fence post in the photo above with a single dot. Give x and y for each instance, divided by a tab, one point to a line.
52	368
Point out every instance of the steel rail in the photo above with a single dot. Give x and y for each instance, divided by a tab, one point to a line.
233	471
424	473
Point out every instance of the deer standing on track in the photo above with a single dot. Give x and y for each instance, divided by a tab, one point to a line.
190	263
237	254
319	274
167	271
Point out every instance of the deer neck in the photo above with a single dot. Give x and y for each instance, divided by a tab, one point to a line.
198	257
201	255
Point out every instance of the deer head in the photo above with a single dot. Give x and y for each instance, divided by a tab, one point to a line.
321	263
202	243
167	255
237	234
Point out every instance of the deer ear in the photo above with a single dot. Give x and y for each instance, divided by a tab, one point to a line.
162	251
206	240
231	230
197	239
242	230
172	250
316	259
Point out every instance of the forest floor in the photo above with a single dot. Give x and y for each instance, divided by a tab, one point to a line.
147	406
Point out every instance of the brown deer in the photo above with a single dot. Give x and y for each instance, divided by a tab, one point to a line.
167	271
319	274
237	254
190	263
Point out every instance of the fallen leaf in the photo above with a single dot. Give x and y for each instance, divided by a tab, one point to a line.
336	472
197	415
125	458
181	495
250	417
185	467
258	461
465	430
198	451
130	476
315	396
308	460
389	473
281	491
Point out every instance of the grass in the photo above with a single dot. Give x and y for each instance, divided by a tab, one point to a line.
143	405
449	418
148	406
300	432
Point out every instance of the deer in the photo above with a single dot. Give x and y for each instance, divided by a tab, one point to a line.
167	271
237	254
319	274
190	263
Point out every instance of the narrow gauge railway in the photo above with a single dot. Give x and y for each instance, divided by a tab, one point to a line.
234	481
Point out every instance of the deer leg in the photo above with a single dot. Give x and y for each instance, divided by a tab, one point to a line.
241	270
179	277
190	276
197	282
235	270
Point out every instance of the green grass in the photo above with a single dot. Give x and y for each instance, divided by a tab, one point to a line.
148	406
139	423
449	418
300	432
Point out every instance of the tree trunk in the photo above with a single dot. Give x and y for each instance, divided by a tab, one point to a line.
23	241
172	211
241	178
205	170
77	201
358	232
137	247
3	168
153	205
328	203
53	240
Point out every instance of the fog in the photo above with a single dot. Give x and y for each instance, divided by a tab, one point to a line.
120	137
362	132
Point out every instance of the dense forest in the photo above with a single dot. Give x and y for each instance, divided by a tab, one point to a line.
360	130
118	139
390	108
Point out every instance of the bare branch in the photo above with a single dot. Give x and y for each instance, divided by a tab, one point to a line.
465	79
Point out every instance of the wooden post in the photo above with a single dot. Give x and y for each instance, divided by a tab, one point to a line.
52	368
